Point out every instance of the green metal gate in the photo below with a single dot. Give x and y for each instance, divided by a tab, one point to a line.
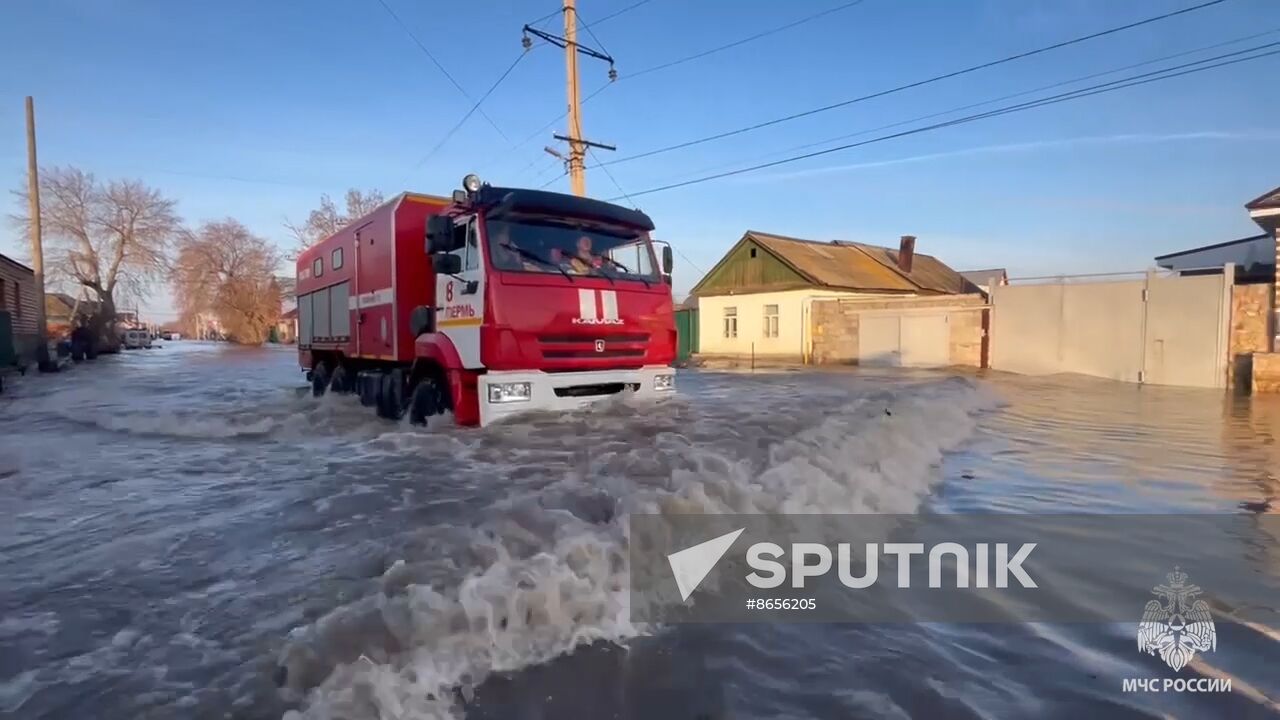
686	333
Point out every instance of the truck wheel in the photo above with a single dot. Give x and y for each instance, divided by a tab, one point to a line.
369	385
391	404
319	379
339	382
426	401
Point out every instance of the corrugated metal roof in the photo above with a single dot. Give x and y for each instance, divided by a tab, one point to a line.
11	261
858	266
1214	246
989	277
843	266
1270	199
927	272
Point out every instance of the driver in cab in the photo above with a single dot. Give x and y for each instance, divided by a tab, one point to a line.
583	261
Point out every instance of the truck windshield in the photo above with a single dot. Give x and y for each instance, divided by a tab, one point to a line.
556	246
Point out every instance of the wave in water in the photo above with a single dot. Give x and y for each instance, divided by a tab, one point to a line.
547	571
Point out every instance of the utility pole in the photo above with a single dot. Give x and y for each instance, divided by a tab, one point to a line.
577	151
576	163
37	239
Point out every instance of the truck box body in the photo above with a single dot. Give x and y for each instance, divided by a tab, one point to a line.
357	288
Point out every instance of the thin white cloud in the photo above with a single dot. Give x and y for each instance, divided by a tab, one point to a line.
1132	138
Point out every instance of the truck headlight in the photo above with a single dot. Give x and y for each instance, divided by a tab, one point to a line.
509	392
664	382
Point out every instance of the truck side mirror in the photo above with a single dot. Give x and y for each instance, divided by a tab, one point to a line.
422	320
446	264
667	261
439	234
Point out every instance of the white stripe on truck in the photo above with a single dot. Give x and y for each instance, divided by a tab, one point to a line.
370	299
609	299
587	304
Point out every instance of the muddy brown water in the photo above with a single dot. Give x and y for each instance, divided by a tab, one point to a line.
185	535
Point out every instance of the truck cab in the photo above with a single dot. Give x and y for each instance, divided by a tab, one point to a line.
554	301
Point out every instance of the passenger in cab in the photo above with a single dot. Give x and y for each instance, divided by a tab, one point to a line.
507	255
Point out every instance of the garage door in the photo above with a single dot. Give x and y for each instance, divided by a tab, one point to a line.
909	340
878	337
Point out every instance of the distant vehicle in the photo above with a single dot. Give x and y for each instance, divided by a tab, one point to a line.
171	336
521	300
137	339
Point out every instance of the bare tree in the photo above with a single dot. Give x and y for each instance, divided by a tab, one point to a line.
224	269
327	219
111	238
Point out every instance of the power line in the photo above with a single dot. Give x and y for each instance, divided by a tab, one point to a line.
1002	98
615	14
614	180
602	20
548	16
530	164
689	58
547	183
474	107
555	163
592	33
918	83
1123	83
436	62
684	257
743	41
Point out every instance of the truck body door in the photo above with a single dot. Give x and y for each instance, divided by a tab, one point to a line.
373	292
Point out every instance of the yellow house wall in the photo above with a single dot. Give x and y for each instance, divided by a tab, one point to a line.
792	304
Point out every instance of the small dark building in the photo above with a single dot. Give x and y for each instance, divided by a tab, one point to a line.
18	313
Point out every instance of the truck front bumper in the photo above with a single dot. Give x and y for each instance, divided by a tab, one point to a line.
500	393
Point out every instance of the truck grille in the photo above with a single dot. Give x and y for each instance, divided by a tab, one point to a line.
615	346
595	390
592	353
588	339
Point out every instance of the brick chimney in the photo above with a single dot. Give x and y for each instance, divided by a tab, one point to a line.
906	252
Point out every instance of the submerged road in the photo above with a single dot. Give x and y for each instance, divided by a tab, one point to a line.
186	535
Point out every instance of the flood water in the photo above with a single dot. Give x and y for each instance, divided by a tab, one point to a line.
185	535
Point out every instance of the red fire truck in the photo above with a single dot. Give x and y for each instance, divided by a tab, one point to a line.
487	304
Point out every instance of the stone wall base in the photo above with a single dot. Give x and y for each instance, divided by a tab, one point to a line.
1266	373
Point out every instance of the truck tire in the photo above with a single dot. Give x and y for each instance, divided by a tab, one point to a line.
426	401
340	381
319	379
391	401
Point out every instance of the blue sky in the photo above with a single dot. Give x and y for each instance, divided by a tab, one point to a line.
253	109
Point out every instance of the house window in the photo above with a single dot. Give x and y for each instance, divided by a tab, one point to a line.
731	322
753	252
771	321
17	300
336	260
4	296
317	267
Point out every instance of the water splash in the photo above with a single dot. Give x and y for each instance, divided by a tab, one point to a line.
547	570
